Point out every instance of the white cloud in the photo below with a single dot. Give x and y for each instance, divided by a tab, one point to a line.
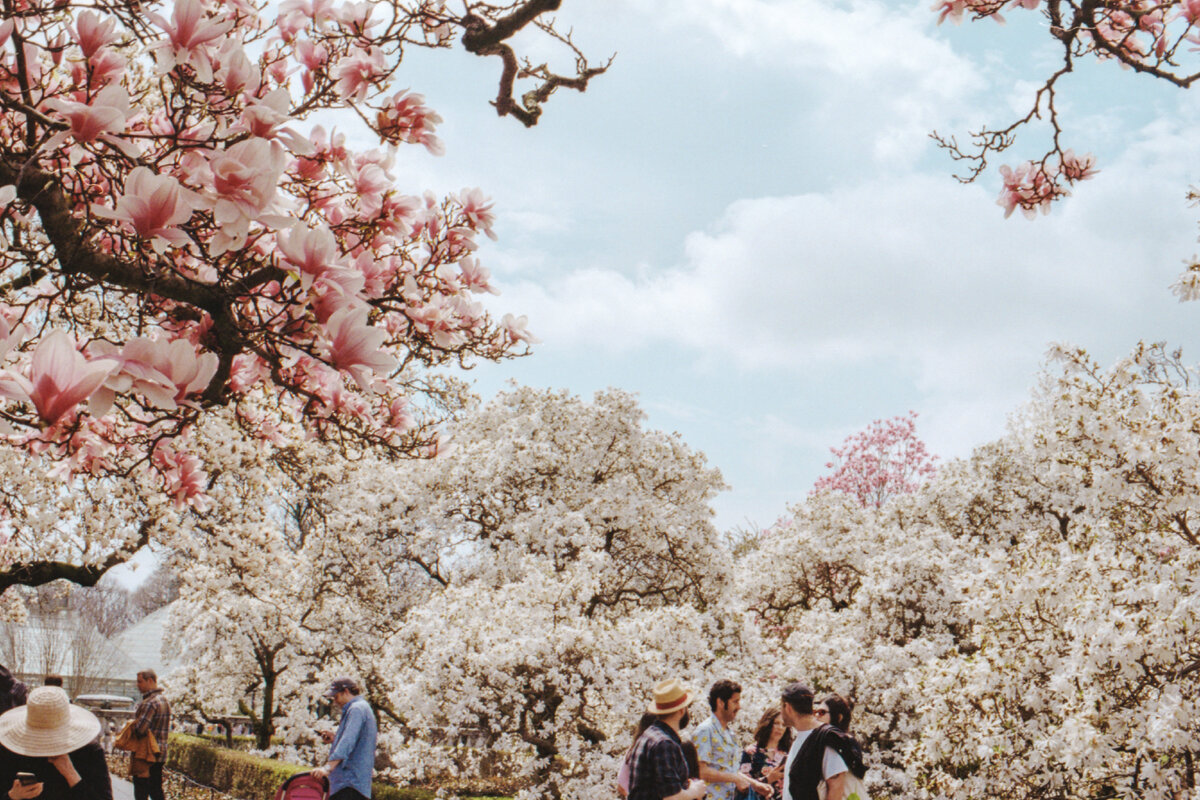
913	269
881	76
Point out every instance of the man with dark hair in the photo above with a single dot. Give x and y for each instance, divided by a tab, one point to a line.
717	747
12	691
152	716
810	760
352	756
658	769
53	680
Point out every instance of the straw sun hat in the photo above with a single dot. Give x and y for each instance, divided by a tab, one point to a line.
47	725
669	697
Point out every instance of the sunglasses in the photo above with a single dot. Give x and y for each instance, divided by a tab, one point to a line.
820	712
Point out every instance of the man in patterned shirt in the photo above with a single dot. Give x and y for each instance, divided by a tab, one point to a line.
153	715
717	747
658	770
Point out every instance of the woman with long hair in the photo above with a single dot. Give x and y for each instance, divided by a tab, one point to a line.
835	710
623	774
771	742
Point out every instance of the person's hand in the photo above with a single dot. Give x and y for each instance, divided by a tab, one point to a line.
742	781
697	787
65	768
24	792
321	772
762	788
774	775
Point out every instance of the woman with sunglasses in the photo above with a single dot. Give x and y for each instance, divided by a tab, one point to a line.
834	710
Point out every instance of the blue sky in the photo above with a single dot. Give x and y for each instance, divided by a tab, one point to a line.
745	223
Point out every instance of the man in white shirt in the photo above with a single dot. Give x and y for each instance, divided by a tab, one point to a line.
802	771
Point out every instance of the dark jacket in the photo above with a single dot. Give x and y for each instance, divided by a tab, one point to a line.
94	783
806	770
12	691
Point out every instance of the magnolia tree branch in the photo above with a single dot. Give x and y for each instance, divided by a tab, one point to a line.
485	37
38	573
1151	37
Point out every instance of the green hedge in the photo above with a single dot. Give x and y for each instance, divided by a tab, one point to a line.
252	777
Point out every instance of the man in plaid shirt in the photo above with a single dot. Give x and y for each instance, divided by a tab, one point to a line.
153	715
659	771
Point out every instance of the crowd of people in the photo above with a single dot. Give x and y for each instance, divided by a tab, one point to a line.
50	748
801	750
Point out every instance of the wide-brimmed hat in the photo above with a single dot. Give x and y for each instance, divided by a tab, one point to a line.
47	725
669	697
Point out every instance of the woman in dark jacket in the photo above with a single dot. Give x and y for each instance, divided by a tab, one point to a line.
55	743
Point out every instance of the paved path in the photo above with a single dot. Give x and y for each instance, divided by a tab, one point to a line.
122	789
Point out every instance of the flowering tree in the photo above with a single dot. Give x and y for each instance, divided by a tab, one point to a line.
276	593
576	558
876	464
1022	624
176	236
1083	676
526	585
1151	37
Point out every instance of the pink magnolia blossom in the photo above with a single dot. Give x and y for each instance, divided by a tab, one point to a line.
477	208
312	252
295	15
246	178
189	31
1029	187
354	345
356	72
237	72
1190	10
154	206
165	372
107	114
265	118
407	119
437	318
60	378
950	9
1078	168
370	182
246	183
876	464
516	330
355	16
475	276
185	478
106	66
91	33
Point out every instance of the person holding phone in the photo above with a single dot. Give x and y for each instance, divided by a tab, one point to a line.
49	750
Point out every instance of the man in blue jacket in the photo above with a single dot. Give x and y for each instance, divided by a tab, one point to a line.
352	757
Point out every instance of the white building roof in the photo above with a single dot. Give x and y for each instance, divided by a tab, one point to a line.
142	643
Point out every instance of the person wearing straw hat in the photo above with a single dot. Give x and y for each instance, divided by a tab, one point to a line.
48	750
659	770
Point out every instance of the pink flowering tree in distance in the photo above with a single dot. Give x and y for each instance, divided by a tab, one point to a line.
177	235
878	463
1157	38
